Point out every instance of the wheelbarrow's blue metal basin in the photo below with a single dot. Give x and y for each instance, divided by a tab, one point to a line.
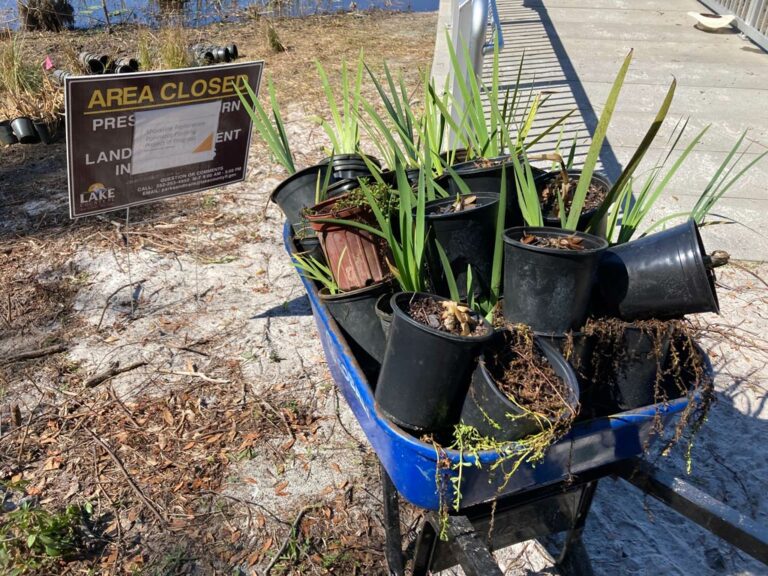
423	476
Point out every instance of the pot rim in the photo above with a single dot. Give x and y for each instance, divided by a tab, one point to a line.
364	291
295	176
602	243
491	197
397	311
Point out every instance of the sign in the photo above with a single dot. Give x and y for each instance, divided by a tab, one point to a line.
137	138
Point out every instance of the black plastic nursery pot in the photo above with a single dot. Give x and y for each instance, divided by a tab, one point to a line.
7	137
494	415
586	215
485	176
578	349
425	372
662	275
349	166
468	239
355	313
24	129
383	309
45	132
297	192
639	368
548	288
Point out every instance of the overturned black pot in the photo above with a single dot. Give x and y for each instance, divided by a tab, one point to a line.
355	314
494	415
7	137
586	215
45	131
467	237
547	288
24	129
663	275
425	372
297	192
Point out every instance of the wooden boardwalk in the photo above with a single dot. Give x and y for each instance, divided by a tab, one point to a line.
573	50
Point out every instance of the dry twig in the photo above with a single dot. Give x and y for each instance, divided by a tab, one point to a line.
32	354
291	535
111	373
147	502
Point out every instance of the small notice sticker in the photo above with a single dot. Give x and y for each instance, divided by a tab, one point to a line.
173	137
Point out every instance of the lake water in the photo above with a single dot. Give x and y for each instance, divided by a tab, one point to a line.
89	13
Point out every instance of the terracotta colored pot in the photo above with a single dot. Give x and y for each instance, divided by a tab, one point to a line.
356	257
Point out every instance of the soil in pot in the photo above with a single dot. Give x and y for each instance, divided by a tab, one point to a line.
548	288
429	358
550	183
357	258
465	228
522	386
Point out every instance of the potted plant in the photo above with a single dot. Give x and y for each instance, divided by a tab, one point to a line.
464	229
430	354
352	310
522	386
357	257
346	159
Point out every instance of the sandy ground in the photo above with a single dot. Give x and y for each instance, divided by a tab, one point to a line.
218	296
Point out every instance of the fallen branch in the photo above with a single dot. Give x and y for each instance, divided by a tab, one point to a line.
111	373
291	535
147	502
32	354
200	375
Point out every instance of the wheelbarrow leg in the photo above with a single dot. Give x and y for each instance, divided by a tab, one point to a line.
393	537
467	548
573	558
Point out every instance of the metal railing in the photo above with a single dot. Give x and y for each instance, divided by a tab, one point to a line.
751	17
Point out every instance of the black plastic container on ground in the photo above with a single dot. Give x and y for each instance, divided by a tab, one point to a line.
587	215
467	238
494	415
548	288
45	131
24	129
93	63
355	314
662	275
426	372
297	192
7	137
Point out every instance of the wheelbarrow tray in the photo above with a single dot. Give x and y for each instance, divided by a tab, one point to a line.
413	465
